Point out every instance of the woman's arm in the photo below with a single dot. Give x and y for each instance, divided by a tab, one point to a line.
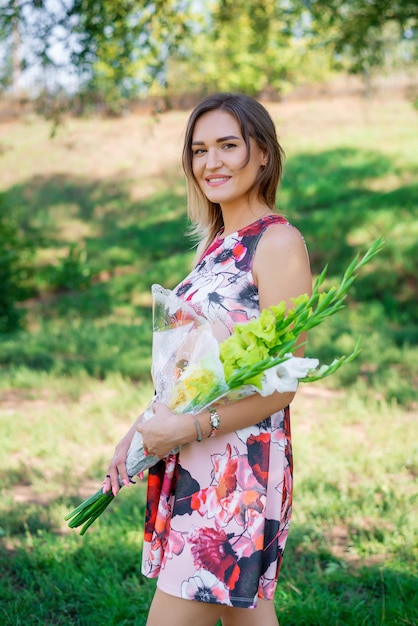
281	268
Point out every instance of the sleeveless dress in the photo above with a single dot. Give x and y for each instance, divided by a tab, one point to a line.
218	513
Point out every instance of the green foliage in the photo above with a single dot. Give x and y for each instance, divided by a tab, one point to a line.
362	33
254	47
15	252
126	44
73	271
115	48
119	50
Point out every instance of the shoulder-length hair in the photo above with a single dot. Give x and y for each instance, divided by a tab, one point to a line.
254	121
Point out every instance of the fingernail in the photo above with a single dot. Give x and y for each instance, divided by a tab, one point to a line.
125	482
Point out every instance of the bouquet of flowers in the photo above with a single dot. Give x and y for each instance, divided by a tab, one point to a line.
191	370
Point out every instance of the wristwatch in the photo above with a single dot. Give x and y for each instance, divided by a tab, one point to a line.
214	421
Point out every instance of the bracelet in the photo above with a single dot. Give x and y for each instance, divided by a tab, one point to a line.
214	421
199	434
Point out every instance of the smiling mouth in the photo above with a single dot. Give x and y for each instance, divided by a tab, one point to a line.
217	180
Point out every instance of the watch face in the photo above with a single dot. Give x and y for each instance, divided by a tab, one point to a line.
215	420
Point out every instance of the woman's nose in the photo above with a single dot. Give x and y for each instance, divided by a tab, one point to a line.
213	161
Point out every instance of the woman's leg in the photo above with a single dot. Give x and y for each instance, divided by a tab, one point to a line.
263	615
166	609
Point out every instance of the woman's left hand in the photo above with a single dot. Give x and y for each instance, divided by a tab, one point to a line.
165	431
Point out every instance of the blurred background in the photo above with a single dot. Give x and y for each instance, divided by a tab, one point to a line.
94	99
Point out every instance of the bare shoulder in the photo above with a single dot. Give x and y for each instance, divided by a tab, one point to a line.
281	267
280	242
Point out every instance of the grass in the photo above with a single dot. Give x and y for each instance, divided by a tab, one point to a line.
352	552
104	202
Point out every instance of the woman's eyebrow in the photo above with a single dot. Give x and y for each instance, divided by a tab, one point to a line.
227	138
220	140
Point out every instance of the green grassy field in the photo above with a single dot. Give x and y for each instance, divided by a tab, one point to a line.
103	207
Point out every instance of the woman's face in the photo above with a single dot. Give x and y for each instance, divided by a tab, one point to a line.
219	153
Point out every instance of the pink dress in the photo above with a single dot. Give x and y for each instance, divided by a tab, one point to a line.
218	513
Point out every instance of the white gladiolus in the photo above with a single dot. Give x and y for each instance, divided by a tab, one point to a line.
285	376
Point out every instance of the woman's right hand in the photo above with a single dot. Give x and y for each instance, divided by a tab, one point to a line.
117	466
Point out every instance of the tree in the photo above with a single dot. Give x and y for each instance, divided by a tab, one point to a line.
255	46
360	31
122	48
125	43
112	46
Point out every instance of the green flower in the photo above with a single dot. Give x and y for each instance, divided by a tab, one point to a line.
264	327
241	349
279	310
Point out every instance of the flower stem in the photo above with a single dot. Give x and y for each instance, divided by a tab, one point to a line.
89	510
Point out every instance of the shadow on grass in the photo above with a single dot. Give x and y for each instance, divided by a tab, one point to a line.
68	580
105	326
337	198
63	208
75	348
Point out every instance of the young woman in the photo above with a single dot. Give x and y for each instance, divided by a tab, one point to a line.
218	513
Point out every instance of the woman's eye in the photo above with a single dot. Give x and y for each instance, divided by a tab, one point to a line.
198	151
228	146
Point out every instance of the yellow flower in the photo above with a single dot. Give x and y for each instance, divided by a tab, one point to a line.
178	397
194	383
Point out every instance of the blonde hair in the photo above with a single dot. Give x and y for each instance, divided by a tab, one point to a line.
254	121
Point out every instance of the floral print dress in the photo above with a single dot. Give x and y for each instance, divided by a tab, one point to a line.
218	513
